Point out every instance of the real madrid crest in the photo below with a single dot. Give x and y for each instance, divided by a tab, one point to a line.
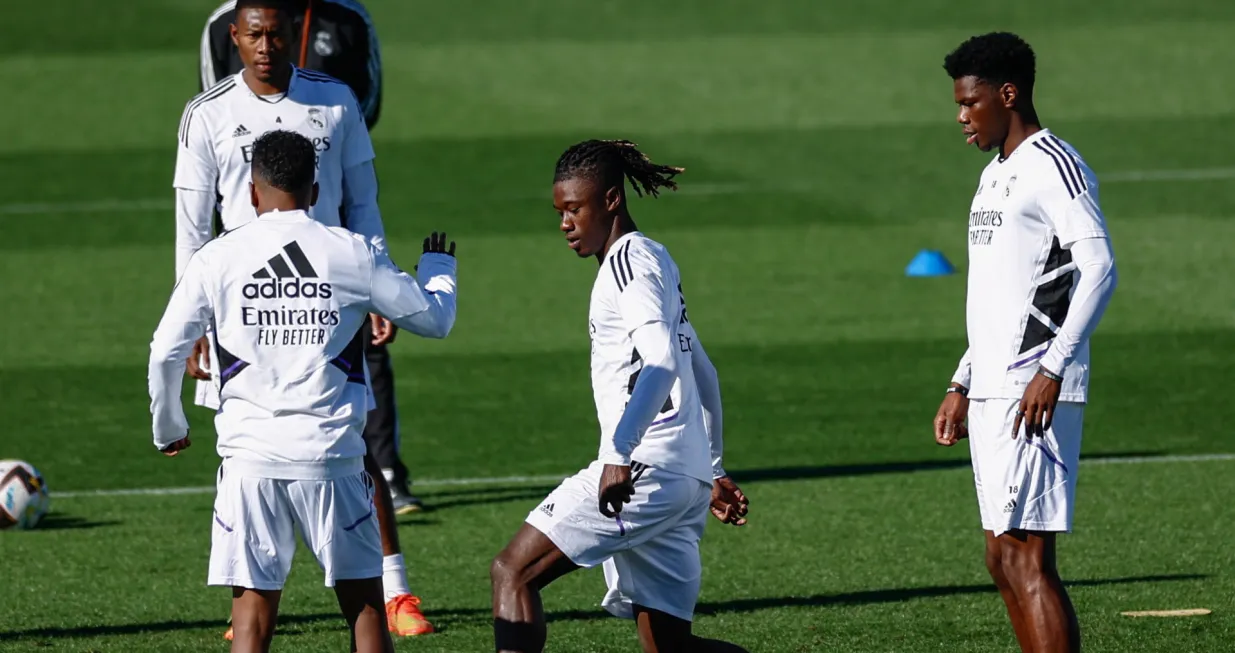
323	45
316	119
1007	189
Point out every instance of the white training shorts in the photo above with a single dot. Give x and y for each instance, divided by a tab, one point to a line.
1024	483
650	551
255	521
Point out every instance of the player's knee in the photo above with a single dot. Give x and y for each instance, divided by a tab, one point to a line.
503	572
1021	565
994	563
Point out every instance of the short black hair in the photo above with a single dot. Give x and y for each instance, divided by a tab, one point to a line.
609	162
281	5
996	58
285	160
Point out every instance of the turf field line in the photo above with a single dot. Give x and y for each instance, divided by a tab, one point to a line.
152	204
554	478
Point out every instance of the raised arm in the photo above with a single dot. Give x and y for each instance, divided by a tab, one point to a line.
425	307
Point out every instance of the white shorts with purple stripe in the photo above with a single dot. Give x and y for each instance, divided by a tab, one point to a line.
256	520
650	551
1024	483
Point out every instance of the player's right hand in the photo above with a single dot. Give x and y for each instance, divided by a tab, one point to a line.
436	244
177	446
950	420
729	504
201	350
616	489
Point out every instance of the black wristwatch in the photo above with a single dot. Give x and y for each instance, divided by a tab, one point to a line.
958	389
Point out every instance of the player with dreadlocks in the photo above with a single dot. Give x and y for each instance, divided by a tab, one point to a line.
639	509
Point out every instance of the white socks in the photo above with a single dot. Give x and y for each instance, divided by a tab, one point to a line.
394	576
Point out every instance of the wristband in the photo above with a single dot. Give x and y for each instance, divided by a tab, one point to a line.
1049	374
958	389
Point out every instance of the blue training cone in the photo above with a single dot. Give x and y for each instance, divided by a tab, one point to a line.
929	263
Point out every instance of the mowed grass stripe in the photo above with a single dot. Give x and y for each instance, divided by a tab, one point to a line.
553	478
738	285
156	204
714	83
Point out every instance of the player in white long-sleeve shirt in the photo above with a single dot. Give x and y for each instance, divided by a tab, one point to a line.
1041	272
287	297
640	508
217	133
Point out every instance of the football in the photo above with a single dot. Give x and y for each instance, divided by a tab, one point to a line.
23	495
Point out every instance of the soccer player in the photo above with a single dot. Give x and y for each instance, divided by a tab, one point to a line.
1041	272
217	132
338	38
287	297
640	508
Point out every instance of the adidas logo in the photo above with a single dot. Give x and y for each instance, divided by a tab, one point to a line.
284	283
240	131
547	508
1011	506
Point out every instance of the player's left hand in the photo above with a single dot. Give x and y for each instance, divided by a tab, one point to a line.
384	330
616	489
436	244
177	446
1037	407
729	504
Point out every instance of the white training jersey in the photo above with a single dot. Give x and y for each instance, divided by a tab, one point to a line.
638	284
286	297
218	128
1027	212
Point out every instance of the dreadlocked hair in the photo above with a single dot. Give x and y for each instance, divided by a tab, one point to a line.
611	161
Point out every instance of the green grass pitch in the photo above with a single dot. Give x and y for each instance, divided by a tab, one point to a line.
822	153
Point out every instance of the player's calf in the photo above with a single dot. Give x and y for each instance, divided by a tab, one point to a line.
364	609
1049	620
664	633
254	613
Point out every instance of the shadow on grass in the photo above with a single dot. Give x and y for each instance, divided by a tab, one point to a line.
478	616
865	597
58	522
458	498
870	469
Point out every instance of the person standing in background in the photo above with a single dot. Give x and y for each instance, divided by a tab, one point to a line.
335	37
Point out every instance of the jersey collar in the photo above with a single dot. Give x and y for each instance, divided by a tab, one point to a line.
291	86
1037	136
617	243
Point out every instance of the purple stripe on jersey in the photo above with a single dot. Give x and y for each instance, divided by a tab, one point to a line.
344	363
665	420
220	523
1026	361
1049	455
233	369
361	520
621	526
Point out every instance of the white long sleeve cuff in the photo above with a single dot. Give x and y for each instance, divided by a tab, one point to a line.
964	371
1095	262
360	204
656	378
194	217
